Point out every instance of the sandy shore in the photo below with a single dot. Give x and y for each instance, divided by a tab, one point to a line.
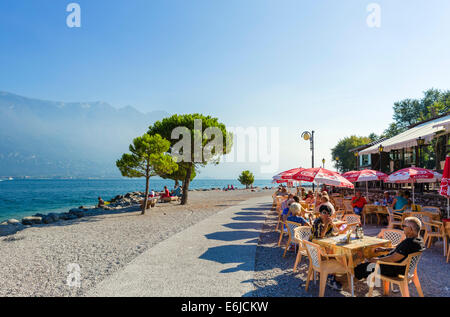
34	262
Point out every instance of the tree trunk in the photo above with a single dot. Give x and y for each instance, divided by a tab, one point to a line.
186	183
147	178
177	183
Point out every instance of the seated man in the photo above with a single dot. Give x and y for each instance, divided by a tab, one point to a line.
412	244
358	203
177	192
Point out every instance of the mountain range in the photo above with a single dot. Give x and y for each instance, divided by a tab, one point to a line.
58	139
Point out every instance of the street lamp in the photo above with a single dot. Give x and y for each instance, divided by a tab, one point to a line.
356	160
381	150
420	143
310	136
323	162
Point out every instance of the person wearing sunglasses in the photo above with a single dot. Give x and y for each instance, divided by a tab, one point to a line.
412	244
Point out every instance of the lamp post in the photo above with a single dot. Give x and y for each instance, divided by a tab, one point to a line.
420	143
356	160
306	135
323	163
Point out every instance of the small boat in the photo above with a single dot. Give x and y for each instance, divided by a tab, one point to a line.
10	179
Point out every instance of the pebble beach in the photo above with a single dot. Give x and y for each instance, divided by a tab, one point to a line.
35	260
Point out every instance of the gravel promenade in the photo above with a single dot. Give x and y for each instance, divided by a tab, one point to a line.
274	276
34	262
213	258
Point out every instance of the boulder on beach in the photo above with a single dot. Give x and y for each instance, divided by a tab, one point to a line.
13	222
7	229
29	221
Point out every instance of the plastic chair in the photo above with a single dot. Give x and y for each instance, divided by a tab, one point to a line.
329	265
393	235
438	233
402	280
382	211
368	210
395	218
291	226
352	220
348	206
300	234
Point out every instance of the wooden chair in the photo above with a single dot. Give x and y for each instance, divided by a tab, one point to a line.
402	280
325	264
301	233
393	235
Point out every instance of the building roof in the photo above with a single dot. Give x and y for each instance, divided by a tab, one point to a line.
426	130
365	146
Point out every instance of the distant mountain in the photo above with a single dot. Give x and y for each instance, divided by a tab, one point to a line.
47	138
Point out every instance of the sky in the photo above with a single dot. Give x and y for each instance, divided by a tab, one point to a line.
289	64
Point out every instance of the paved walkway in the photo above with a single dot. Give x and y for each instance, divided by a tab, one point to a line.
215	257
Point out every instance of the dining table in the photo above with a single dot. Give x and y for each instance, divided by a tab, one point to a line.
356	251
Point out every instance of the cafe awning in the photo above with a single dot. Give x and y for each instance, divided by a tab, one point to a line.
409	138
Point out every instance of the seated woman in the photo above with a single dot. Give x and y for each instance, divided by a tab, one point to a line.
400	202
296	215
358	203
310	198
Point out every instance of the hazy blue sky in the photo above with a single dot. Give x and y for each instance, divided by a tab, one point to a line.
291	64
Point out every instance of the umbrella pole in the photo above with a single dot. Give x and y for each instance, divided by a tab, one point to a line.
367	190
448	208
414	200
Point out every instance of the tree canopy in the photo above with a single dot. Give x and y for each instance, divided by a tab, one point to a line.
344	160
147	158
246	178
204	140
411	111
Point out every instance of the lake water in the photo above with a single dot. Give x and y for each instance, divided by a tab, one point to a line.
20	198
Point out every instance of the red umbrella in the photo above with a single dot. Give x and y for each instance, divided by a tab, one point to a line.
322	176
364	176
413	175
288	174
445	189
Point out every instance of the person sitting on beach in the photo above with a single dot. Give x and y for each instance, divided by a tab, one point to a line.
151	194
177	192
166	193
412	244
358	203
101	203
302	194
